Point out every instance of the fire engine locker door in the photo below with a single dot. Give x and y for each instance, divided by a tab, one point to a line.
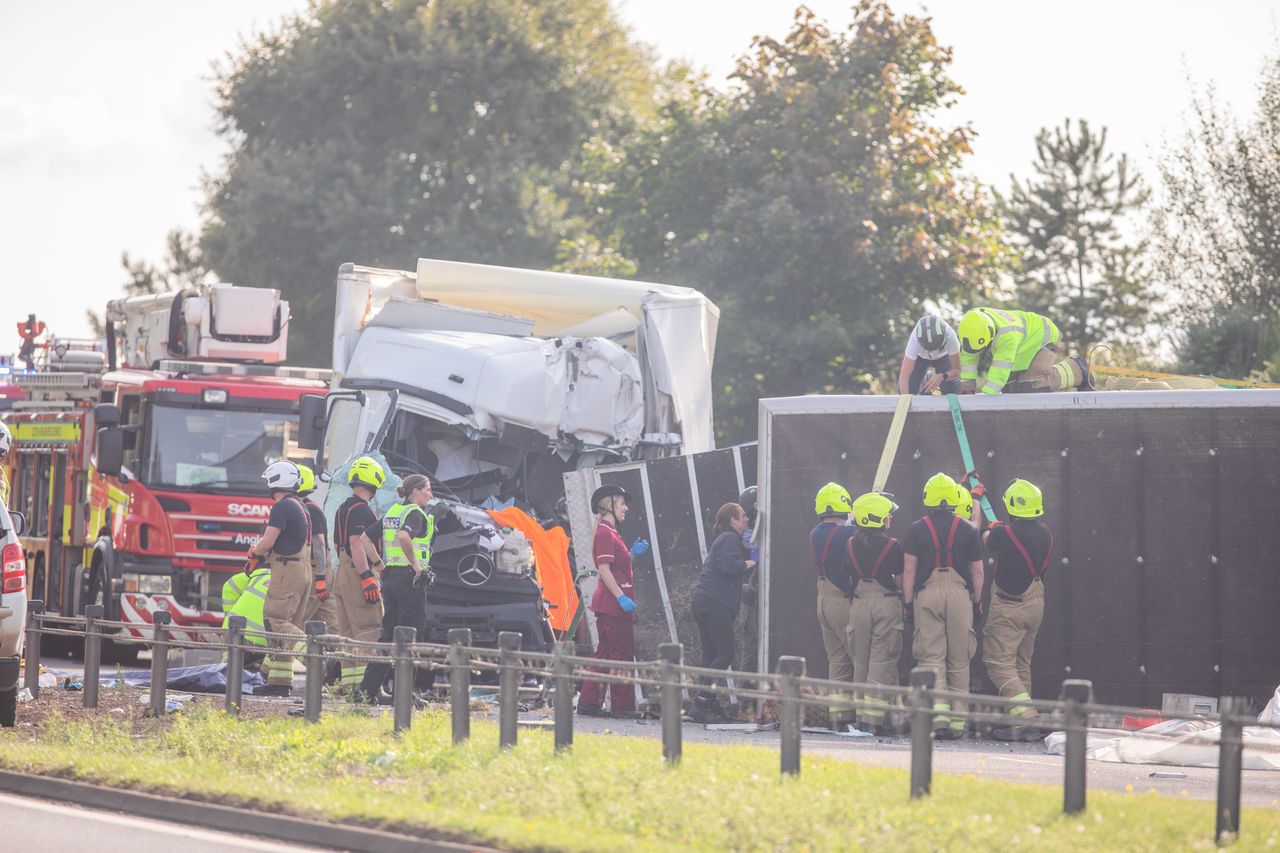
58	519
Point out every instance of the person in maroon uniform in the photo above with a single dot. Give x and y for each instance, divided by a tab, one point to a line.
612	601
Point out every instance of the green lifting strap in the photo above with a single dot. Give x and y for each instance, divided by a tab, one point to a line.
963	438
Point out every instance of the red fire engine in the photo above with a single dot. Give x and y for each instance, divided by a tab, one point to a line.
139	468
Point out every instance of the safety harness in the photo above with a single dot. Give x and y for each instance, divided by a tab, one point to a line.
820	563
875	567
1036	574
306	519
341	522
946	561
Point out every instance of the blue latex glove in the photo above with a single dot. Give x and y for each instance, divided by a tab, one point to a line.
638	549
626	603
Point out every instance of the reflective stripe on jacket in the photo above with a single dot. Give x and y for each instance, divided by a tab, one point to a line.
392	553
1018	337
250	605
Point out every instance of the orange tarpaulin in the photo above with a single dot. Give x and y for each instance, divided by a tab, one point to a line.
551	553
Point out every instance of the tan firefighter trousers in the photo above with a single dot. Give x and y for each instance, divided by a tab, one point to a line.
833	619
326	611
875	644
357	619
944	639
1009	641
284	612
1046	373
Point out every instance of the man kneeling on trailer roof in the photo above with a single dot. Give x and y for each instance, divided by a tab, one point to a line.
1024	354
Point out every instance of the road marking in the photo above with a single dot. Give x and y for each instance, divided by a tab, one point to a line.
151	825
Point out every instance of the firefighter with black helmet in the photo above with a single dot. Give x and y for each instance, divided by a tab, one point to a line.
932	358
612	602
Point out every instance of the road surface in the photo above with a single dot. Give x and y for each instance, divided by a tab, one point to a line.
27	824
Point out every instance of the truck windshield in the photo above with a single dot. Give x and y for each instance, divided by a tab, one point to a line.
215	449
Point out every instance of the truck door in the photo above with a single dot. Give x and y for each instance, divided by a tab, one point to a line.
354	423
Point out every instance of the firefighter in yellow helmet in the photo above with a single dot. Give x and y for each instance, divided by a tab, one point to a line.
835	590
942	591
1021	550
357	537
1024	353
875	616
322	604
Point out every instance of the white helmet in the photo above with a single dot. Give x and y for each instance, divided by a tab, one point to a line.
5	440
282	476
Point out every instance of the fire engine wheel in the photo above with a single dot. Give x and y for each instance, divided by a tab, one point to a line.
121	653
9	707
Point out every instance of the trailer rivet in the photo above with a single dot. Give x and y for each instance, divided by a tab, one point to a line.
1213	451
844	454
1066	560
915	455
1064	452
1138	452
990	454
1139	559
1216	668
1213	558
1143	669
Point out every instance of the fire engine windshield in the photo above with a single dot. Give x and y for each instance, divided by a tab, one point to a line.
215	449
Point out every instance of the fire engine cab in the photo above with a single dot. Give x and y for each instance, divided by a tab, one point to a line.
139	468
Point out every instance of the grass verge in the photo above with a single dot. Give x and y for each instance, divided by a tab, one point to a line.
608	793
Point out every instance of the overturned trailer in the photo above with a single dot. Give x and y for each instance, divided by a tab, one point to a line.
1166	569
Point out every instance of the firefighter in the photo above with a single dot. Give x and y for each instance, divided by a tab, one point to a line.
355	589
6	440
321	604
942	591
285	551
249	603
835	590
407	533
235	587
932	359
1024	354
1021	549
612	602
875	616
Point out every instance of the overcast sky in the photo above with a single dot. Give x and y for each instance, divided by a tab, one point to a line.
108	108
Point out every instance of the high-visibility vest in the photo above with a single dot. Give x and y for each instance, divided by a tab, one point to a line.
233	589
392	553
1019	336
250	605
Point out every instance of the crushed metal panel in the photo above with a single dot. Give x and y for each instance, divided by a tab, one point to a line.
1135	628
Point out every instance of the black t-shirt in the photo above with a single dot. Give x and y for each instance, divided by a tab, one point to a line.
826	546
862	553
966	549
414	523
354	517
1013	574
290	517
319	527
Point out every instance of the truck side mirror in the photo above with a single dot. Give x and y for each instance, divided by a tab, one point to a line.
311	421
106	414
110	450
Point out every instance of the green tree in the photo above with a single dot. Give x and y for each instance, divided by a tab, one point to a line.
1073	222
819	202
381	132
1218	235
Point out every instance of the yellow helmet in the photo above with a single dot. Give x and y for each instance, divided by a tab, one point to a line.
306	480
832	499
964	502
1024	500
873	509
976	331
366	472
940	492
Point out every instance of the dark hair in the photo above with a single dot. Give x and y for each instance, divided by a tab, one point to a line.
726	514
411	484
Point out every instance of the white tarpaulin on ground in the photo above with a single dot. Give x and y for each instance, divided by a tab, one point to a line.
1182	743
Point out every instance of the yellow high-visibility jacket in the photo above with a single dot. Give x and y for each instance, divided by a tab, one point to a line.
1019	336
